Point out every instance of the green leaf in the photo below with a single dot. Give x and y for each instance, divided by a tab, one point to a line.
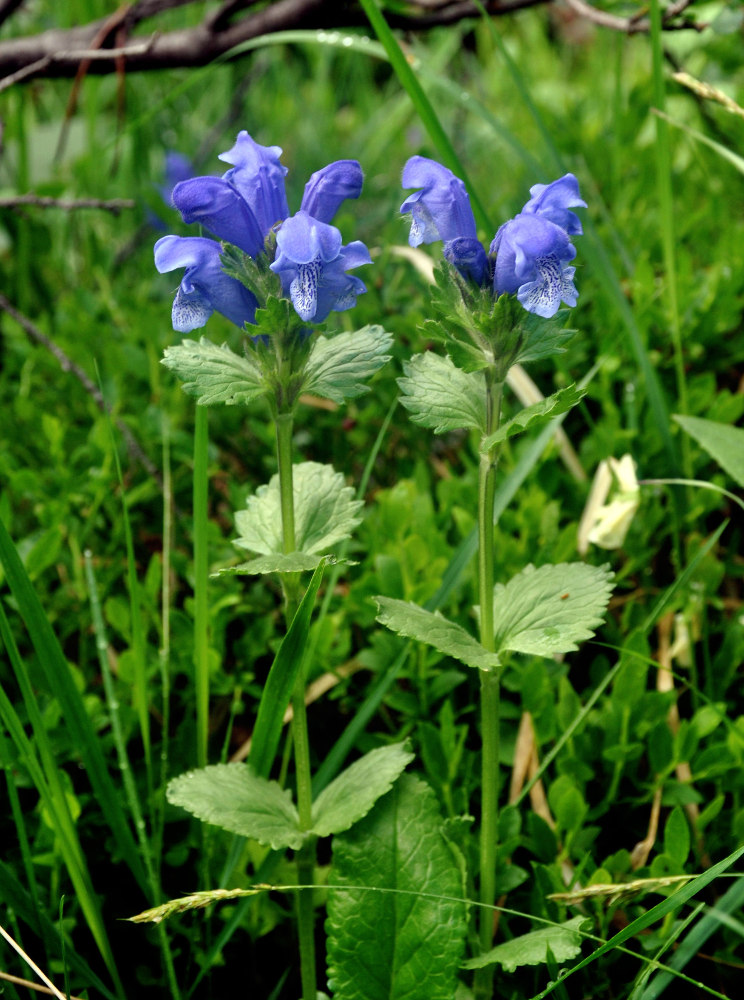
253	272
353	793
235	798
677	837
435	630
563	940
551	609
214	374
325	512
543	338
400	945
277	317
277	562
439	395
722	442
281	680
339	366
536	414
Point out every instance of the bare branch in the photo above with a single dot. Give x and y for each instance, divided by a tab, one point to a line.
59	52
635	24
7	7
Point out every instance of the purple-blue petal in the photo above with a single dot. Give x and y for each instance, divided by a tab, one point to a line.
553	285
329	187
258	176
302	238
217	206
469	257
553	201
204	287
354	254
441	210
519	243
312	266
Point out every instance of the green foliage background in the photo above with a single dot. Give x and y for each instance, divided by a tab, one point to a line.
553	94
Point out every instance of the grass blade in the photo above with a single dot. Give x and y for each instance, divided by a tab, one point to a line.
410	83
281	680
48	784
60	683
650	917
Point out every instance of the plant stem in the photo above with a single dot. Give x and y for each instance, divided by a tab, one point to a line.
201	577
306	854
490	734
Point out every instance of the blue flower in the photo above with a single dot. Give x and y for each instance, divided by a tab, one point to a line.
204	287
249	202
441	210
312	265
530	254
531	258
553	201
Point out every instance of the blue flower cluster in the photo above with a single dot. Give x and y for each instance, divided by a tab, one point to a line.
529	255
243	207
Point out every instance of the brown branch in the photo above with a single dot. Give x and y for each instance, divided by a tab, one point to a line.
8	7
59	52
68	365
636	24
115	205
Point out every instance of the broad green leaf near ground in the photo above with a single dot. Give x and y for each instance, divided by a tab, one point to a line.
355	790
234	798
435	630
276	562
551	609
404	944
325	512
564	941
723	442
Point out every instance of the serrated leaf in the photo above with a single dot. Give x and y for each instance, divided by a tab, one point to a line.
543	338
253	272
563	940
435	630
339	366
277	316
214	374
439	395
353	793
325	512
401	945
723	442
234	798
277	562
551	609
537	414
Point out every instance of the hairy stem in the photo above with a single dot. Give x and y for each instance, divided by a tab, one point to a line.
306	854
490	733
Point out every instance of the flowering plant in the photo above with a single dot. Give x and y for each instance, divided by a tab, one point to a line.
277	273
272	274
492	310
529	255
247	207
